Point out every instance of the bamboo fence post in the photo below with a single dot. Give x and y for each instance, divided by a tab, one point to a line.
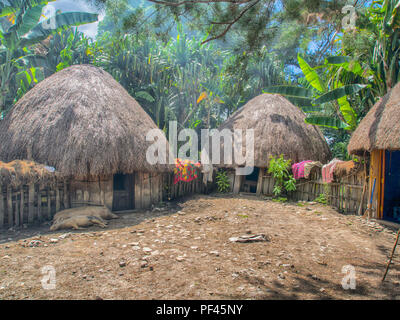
16	213
9	206
1	207
31	203
39	206
22	205
48	204
57	199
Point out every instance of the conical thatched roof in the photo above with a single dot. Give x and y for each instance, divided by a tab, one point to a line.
380	128
279	128
80	121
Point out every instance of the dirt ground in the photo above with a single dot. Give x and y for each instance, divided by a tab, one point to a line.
184	252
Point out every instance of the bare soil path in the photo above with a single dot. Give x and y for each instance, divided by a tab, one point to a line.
185	253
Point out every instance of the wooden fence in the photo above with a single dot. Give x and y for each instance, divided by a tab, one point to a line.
181	188
36	203
346	195
31	203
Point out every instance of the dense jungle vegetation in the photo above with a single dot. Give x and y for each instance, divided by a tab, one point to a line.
198	61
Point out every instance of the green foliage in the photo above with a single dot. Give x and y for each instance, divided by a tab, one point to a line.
196	85
339	151
280	199
222	181
375	43
20	29
284	181
319	98
321	199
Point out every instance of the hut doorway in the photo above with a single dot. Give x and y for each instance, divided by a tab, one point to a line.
391	199
123	192
250	181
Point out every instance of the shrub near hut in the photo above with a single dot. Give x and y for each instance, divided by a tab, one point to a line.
284	181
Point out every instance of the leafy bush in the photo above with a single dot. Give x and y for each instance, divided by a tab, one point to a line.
223	184
280	199
284	181
321	199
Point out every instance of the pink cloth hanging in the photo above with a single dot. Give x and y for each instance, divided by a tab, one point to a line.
328	169
298	169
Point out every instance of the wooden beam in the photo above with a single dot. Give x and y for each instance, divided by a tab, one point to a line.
237	184
154	185
39	206
1	207
260	181
138	189
9	207
31	203
22	206
16	211
146	193
58	199
66	195
49	204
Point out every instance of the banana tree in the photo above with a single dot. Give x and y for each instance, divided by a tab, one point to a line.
384	16
317	97
20	30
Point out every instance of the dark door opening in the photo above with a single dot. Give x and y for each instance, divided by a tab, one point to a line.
123	192
391	202
250	181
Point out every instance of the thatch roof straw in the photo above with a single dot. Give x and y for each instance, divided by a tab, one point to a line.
21	172
380	128
82	122
343	169
279	128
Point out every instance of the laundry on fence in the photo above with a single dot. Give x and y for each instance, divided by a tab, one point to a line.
309	166
344	168
298	169
329	169
185	170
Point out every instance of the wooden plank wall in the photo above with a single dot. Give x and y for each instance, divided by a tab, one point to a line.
32	203
95	191
148	189
174	191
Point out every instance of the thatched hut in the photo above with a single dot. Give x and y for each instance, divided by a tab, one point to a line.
279	128
377	137
85	124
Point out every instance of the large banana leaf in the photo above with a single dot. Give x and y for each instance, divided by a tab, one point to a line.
309	109
339	92
337	60
290	91
31	59
326	121
349	115
144	95
296	95
347	64
30	19
42	30
311	75
300	101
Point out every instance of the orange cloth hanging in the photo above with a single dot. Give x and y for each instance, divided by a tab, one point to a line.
185	170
